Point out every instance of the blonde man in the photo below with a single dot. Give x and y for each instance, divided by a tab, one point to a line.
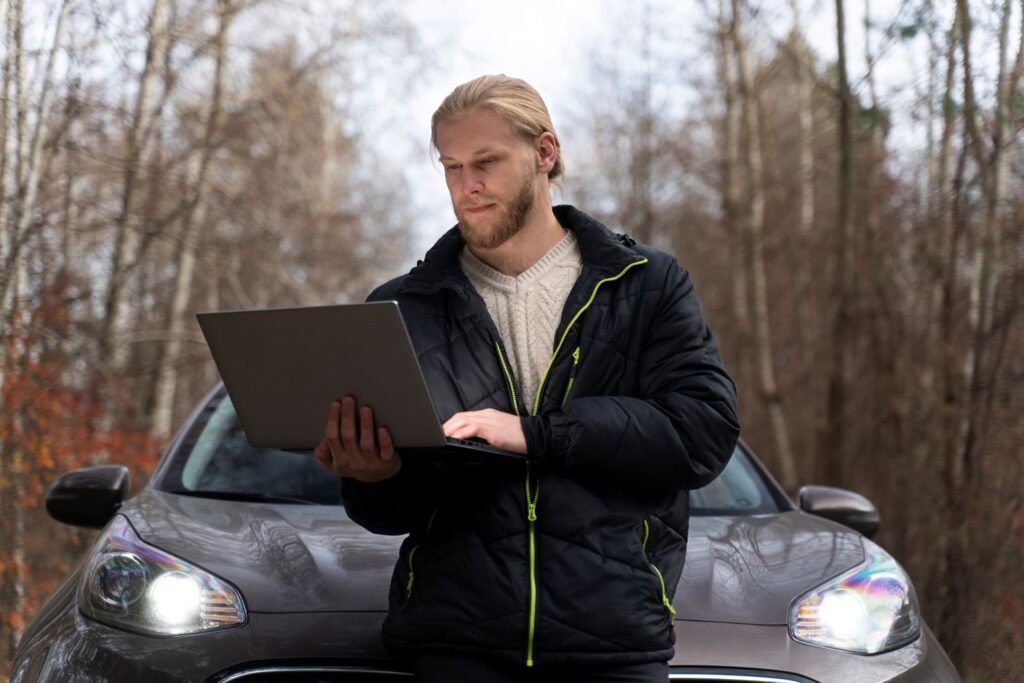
541	331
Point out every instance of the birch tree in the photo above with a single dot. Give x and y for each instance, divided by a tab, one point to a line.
113	332
29	164
729	184
192	221
754	220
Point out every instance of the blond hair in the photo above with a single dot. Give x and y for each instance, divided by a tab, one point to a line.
513	99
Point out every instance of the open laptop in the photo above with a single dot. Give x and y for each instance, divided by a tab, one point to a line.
283	367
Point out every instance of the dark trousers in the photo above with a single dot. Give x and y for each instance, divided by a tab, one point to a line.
443	668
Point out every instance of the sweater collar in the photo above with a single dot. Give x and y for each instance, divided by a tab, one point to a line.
602	251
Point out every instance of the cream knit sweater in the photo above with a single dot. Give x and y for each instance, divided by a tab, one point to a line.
527	308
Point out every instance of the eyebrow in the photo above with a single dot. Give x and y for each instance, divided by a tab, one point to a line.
482	150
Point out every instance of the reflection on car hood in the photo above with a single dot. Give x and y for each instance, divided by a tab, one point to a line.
747	570
284	558
294	558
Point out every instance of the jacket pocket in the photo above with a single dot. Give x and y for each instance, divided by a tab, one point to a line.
663	593
410	580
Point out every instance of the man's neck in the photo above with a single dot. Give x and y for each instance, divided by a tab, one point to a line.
539	234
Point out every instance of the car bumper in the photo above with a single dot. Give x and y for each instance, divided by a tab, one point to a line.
77	648
744	652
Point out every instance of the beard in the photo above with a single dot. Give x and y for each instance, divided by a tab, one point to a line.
507	218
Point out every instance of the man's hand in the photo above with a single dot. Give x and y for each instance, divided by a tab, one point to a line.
365	457
501	430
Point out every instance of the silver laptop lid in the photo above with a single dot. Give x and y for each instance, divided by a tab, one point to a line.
283	367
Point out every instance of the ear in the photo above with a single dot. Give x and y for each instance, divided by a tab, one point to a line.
547	152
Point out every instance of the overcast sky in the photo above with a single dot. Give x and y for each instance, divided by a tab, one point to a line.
548	43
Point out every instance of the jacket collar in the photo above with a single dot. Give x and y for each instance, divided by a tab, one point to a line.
602	251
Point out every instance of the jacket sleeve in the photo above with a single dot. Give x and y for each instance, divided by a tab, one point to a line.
680	431
393	506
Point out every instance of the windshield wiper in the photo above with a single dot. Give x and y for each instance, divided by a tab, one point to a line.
247	496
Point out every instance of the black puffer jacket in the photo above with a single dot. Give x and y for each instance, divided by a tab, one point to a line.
575	556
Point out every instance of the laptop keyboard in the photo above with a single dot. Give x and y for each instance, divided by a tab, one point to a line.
476	443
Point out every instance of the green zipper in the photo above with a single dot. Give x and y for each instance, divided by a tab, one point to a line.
657	572
531	501
568	328
572	374
412	576
508	377
531	517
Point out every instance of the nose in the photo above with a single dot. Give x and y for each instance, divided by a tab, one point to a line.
470	182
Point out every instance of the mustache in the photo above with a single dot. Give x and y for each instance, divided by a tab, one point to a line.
476	205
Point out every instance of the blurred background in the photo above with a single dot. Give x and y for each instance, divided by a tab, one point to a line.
842	179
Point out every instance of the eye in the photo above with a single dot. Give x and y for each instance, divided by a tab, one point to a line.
488	161
452	167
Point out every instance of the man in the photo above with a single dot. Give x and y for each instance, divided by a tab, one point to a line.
540	331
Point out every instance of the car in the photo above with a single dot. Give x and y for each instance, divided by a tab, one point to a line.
239	565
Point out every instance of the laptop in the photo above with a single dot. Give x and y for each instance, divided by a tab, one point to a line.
283	367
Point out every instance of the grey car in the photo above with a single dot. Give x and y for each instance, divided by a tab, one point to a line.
237	564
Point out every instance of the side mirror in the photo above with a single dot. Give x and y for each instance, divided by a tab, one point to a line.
88	497
840	505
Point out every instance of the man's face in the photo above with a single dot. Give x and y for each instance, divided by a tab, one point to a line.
491	176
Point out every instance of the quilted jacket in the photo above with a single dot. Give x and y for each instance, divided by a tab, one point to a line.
573	555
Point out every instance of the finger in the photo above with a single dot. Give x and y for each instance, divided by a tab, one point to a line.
322	453
348	425
454	423
367	444
466	432
331	436
387	446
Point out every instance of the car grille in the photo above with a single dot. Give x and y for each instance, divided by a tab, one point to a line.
354	674
314	674
723	675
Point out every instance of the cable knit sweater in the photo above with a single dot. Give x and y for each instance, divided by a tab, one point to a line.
527	308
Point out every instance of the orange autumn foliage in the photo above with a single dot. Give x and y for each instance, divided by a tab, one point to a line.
48	427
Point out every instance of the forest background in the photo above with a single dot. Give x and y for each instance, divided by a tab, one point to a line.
851	210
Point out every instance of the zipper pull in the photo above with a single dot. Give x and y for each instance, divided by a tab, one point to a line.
531	512
408	585
576	357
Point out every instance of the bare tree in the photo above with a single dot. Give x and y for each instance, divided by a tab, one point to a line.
805	116
193	219
729	183
29	171
12	279
755	245
112	348
835	431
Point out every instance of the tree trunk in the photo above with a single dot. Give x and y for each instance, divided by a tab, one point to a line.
195	217
112	346
805	116
939	219
9	18
28	185
835	432
988	253
729	193
770	393
806	320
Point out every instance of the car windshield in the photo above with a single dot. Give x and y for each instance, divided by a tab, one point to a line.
215	459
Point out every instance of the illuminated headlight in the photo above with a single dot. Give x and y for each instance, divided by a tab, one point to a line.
869	609
132	585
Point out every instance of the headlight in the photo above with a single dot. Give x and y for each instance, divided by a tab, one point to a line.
132	585
869	609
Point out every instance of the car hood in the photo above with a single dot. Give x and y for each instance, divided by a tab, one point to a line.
291	558
748	569
284	558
